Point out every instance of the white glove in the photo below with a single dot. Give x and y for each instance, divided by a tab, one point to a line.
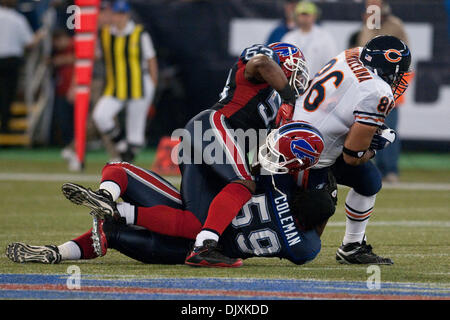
383	137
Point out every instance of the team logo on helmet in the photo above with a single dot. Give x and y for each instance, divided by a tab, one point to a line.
303	150
283	49
393	55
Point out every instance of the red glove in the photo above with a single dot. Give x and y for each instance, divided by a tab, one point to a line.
285	114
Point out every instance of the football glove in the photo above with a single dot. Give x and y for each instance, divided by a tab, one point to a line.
285	114
383	137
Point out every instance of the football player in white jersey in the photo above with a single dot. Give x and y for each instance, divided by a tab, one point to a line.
347	101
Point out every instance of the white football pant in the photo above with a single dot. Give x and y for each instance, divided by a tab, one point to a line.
108	107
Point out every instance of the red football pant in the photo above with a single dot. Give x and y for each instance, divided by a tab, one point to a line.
168	221
225	206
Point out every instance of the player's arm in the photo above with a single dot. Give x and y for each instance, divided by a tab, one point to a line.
263	69
153	70
357	144
369	113
149	54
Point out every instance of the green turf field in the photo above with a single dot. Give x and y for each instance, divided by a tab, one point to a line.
411	224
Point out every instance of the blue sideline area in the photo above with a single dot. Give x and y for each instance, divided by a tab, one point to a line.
36	286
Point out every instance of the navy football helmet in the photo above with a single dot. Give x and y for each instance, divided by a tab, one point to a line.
389	58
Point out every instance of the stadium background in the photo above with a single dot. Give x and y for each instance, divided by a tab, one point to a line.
196	42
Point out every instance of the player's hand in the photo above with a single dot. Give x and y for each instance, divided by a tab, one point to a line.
383	137
285	114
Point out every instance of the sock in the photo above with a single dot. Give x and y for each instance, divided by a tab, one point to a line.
112	187
69	251
224	207
205	235
84	243
358	209
127	211
169	221
114	180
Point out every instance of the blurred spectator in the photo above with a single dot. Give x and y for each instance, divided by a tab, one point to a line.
287	24
16	35
131	78
104	20
387	159
353	39
105	14
33	11
316	44
389	24
63	60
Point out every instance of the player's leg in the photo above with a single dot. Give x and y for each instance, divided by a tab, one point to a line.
169	245
146	246
365	182
86	246
229	163
135	123
235	171
199	187
89	245
103	116
149	200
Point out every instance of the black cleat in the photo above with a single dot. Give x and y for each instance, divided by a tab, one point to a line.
209	255
99	201
21	253
359	253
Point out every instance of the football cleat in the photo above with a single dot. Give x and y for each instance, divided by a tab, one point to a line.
99	201
22	253
359	253
99	241
208	255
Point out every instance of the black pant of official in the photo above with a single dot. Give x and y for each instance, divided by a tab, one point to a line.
9	75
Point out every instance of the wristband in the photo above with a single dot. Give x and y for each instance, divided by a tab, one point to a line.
355	154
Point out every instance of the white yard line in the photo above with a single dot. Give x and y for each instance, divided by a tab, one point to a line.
48	177
63	177
401	223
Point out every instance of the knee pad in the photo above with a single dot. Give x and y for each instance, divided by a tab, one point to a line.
365	179
370	184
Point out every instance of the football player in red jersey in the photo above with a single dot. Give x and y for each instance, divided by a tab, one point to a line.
261	85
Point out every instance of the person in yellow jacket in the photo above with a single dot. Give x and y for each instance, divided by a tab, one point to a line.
131	73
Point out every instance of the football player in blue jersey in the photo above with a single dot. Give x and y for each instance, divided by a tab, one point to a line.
280	220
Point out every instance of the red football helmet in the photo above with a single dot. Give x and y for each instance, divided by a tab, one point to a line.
293	63
293	147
